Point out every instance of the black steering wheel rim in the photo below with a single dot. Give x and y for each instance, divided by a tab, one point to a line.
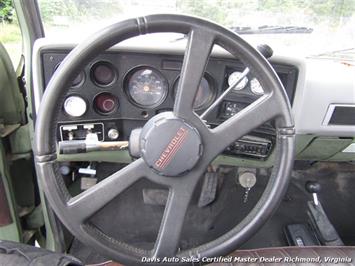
274	104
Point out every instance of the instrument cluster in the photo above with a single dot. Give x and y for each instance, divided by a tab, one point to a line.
119	91
145	87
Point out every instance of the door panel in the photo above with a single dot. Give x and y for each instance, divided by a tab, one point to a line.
12	116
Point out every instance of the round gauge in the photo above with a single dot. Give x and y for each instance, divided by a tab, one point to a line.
75	106
204	96
146	87
234	77
105	103
78	80
255	87
103	73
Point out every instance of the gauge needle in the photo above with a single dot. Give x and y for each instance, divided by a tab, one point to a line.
220	98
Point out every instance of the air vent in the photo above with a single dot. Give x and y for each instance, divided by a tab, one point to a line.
340	115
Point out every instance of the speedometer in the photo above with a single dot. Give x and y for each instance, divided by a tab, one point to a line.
204	95
146	87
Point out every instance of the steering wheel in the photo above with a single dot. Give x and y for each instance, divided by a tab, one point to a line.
175	147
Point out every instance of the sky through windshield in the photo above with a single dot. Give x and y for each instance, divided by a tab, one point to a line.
332	21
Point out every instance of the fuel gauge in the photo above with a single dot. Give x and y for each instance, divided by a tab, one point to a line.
255	87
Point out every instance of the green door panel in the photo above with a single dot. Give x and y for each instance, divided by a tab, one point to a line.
12	116
12	106
20	142
12	230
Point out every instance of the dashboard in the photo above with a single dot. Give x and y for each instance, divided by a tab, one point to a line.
125	86
119	91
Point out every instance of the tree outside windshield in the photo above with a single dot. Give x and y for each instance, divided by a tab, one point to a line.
332	21
10	33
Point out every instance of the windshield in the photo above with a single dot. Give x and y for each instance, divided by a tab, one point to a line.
288	26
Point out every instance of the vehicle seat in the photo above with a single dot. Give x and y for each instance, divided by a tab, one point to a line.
18	254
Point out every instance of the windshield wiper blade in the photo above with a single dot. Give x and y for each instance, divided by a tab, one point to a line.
343	54
268	29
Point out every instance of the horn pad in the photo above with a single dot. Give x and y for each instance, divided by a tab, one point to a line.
169	145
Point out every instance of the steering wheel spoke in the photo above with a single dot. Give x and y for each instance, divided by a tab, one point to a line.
174	215
199	46
262	110
84	205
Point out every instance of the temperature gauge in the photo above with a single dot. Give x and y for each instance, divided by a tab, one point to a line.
236	76
255	87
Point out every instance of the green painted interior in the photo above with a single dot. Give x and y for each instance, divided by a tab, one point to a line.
12	107
20	141
28	41
343	156
324	148
12	114
308	147
12	231
302	141
99	156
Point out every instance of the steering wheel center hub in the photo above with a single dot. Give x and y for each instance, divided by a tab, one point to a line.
169	145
